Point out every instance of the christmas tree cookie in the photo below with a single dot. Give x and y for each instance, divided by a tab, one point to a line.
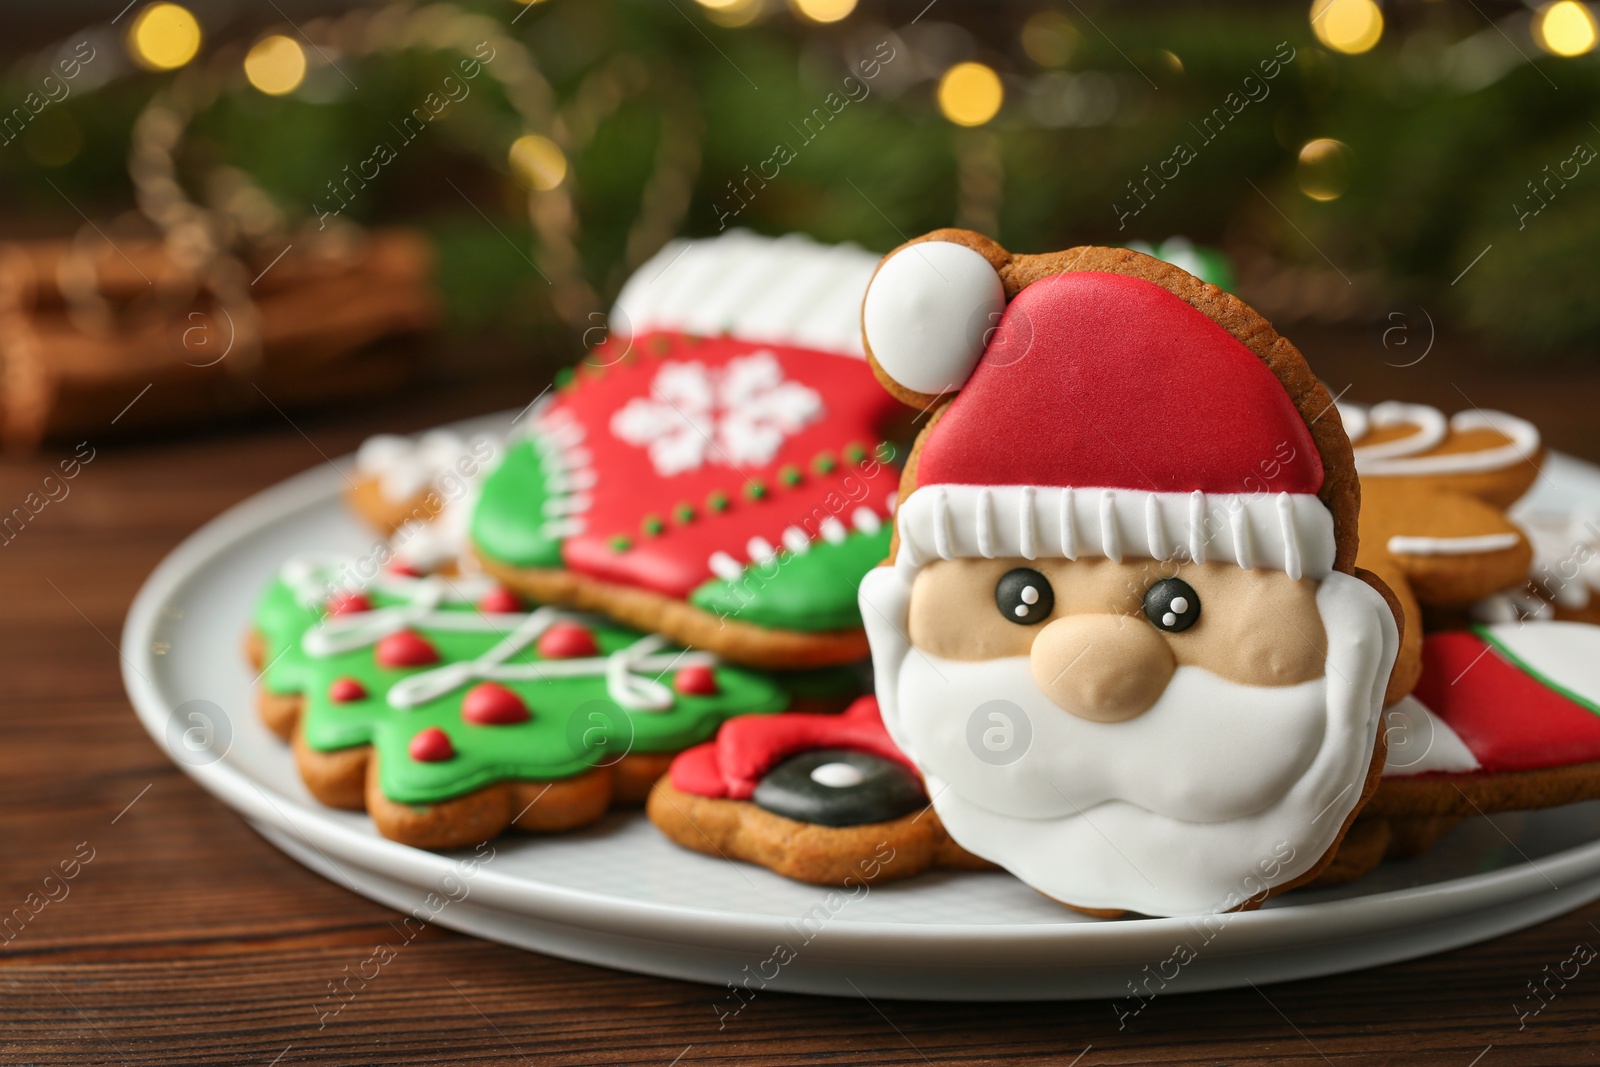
448	711
718	469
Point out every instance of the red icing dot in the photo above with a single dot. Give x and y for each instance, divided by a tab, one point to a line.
499	601
567	640
348	603
431	746
406	649
344	690
404	570
489	704
696	681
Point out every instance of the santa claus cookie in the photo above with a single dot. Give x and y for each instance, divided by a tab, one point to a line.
1434	493
1505	717
719	474
824	799
830	800
449	711
1122	634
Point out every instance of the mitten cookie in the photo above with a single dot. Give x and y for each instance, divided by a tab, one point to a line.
1122	633
448	711
824	799
719	474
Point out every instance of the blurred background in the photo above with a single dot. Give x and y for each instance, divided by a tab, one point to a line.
239	211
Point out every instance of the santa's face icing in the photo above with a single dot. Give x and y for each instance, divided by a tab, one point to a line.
1119	635
1163	737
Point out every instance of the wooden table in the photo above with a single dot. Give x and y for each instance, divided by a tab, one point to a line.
187	938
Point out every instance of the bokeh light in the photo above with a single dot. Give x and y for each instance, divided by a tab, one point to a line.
1324	168
1348	26
823	10
276	65
538	162
1049	38
733	13
1565	28
970	94
164	37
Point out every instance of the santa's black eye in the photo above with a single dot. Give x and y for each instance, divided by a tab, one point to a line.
1024	596
1172	605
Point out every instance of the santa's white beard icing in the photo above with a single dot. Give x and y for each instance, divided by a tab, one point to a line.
1120	635
1216	793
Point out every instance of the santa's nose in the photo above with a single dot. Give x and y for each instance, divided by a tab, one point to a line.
1106	668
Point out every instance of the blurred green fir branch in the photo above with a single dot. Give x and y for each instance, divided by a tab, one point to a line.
1440	155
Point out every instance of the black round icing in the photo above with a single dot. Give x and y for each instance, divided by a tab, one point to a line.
1158	605
1011	596
887	790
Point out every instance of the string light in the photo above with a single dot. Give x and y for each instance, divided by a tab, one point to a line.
164	37
1348	26
724	11
276	65
823	10
733	13
538	162
970	94
1324	168
1565	28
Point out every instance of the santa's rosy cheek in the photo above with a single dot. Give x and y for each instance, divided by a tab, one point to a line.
1257	628
967	611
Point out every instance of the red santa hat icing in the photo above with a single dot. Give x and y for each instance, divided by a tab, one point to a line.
1097	414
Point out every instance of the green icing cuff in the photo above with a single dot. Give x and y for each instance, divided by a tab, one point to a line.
512	493
812	591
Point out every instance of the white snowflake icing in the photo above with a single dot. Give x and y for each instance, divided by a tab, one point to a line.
736	416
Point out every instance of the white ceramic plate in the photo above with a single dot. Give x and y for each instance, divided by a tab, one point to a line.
620	895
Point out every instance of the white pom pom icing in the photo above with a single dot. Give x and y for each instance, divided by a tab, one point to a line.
927	313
